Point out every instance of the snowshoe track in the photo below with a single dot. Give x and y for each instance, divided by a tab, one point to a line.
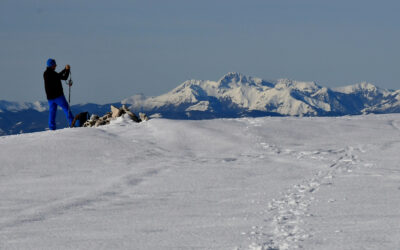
289	212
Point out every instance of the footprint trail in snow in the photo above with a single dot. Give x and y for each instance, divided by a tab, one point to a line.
290	211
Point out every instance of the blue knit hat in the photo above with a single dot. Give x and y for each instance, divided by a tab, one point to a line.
51	62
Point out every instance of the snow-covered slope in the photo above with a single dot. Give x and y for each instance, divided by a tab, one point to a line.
237	95
251	183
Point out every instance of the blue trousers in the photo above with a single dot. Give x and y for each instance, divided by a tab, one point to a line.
62	102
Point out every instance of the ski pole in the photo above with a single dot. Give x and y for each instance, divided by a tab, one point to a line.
69	96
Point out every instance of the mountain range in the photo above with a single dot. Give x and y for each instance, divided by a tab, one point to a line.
234	95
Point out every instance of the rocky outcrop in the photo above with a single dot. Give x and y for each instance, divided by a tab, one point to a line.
115	112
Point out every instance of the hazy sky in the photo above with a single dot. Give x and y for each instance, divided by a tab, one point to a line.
120	48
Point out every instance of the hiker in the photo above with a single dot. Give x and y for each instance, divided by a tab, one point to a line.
55	93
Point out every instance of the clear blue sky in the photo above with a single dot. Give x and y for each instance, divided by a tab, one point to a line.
120	48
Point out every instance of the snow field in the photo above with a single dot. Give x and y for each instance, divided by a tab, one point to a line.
264	183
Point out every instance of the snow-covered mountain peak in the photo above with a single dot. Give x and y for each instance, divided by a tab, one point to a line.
359	87
236	95
189	88
232	77
235	80
188	92
134	98
297	85
39	106
189	84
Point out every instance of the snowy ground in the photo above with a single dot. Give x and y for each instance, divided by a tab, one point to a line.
265	183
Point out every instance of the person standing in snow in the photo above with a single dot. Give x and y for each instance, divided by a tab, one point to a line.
55	92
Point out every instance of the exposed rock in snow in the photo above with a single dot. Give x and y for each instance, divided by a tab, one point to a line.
96	121
143	117
125	110
200	106
116	112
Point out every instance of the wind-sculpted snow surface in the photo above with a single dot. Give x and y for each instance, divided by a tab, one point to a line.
250	183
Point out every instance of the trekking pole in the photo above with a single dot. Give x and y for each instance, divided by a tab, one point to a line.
69	82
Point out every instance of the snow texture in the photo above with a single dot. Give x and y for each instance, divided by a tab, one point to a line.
250	183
